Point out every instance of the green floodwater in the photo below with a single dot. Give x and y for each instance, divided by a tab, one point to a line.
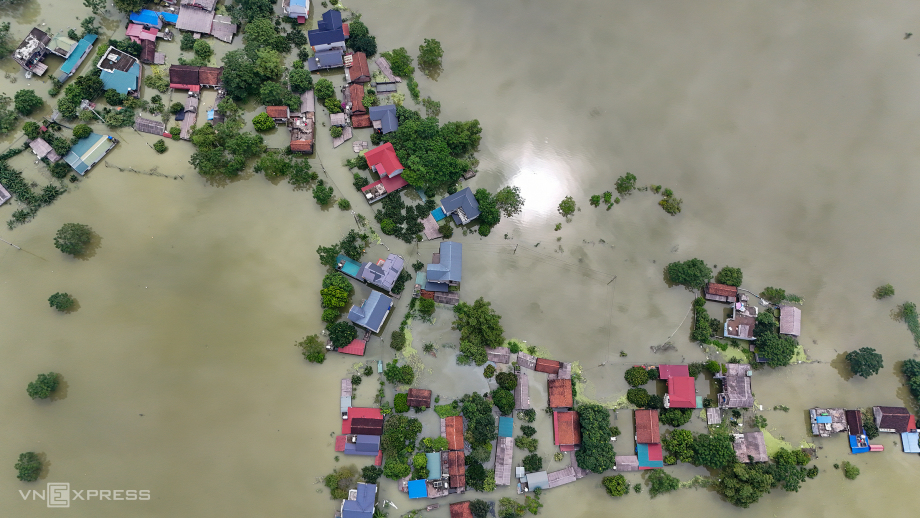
787	128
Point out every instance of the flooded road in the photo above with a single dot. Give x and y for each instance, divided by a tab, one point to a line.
788	129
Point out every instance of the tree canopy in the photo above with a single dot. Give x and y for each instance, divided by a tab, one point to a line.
596	453
503	400
61	301
29	466
360	38
692	273
636	376
73	238
661	482
864	362
616	486
429	56
398	374
26	102
43	386
400	62
509	201
341	334
714	451
776	349
729	276
313	349
479	325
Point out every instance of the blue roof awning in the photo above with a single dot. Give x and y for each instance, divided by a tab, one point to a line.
418	489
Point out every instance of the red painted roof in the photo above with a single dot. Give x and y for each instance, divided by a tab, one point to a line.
682	392
345	29
667	371
547	366
356	347
453	429
360	413
654	452
277	112
721	289
302	145
301	19
647	427
560	393
340	441
566	428
177	86
385	157
378	460
390	184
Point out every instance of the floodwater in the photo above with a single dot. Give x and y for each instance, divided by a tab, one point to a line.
787	128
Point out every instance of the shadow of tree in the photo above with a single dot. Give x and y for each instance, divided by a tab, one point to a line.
61	391
95	243
842	366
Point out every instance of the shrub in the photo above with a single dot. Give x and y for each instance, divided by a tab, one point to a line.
395	470
29	466
529	415
730	276
526	443
506	380
850	471
616	486
73	238
637	396
81	131
489	371
528	431
160	146
401	403
322	193
262	122
314	351
360	181
397	340
335	131
330	315
660	482
567	206
31	129
671	205
202	50
533	463
61	301
187	43
426	307
398	374
883	292
175	132
324	89
371	473
636	376
43	386
344	204
480	508
175	108
446	230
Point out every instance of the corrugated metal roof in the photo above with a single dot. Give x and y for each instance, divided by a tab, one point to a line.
451	265
371	314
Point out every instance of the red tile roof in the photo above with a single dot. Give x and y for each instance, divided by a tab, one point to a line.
419	398
682	392
340	441
560	393
357	99
566	428
456	466
667	371
302	146
210	75
364	415
359	72
461	510
721	289
361	121
654	452
647	427
453	429
383	159
356	347
547	366
277	112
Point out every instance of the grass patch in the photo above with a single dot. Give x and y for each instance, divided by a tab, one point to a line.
774	444
446	411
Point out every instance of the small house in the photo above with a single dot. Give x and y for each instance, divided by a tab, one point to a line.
522	392
363	421
825	421
505	426
504	449
445	268
297	9
461	205
279	114
5	195
184	77
338	119
736	386
383	118
76	57
910	442
750	447
302	146
146	18
356	93
532	481
461	510
42	149
453	431
223	28
790	321
456	464
196	16
120	72
627	463
547	366
364	445
326	60
893	419
383	273
681	387
419	398
358	72
741	324
561	477
647	427
498	355
62	45
434	465
89	151
210	76
560	393
329	33
566	430
138	33
360	503
372	312
32	51
720	293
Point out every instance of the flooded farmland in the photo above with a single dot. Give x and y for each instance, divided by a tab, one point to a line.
788	129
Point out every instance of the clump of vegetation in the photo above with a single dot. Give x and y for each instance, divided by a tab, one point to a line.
263	122
341	334
480	328
398	374
339	482
503	401
344	204
313	349
638	396
567	206
909	315
533	463
675	417
864	362
43	386
506	380
729	276
73	238
489	371
61	301
911	370
636	376
692	273
679	443
323	193
850	471
616	485
884	291
868	421
401	403
660	482
596	454
26	102
529	415
371	473
160	146
626	184
29	466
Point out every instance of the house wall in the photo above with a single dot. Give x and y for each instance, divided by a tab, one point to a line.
330	46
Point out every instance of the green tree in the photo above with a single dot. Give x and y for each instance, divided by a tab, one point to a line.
489	371
43	386
239	77
313	349
479	324
127	6
400	62
360	39
395	470
341	334
446	229
675	417
480	508
346	205
533	463
692	273
729	276
335	131
660	482
401	403
160	146
637	396
616	486
509	201
61	301
527	443
81	131
73	238
371	473
322	193
330	315
503	400
300	81
850	471
29	466
777	350
426	307
506	380
774	295
398	374
596	453
744	484
714	451
864	362
679	443
31	129
398	340
203	51
626	183
883	292
429	56
567	206
323	89
97	6
8	118
489	215
636	376
334	297
187	44
27	102
263	122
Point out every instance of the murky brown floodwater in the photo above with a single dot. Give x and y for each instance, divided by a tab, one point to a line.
788	129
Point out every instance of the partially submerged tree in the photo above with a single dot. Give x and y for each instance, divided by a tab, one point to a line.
43	386
692	273
73	238
865	362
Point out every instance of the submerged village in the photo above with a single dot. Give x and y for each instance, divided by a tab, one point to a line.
440	450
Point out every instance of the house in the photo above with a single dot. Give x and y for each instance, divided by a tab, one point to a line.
560	393
681	387
627	463
301	130
461	510
297	9
196	16
419	398
33	49
383	161
505	426
790	321
456	463
329	33
88	151
120	72
825	421
61	45
356	93
522	392
750	447
453	431
547	366
363	421
280	114
326	60
189	115
139	33
504	449
358	72
345	397
338	119
210	76
360	503
566	430
383	118
365	445
434	465
532	481
149	54
149	126
356	347
647	427
561	477
741	324
417	489
383	273
720	293
372	312
42	149
445	268
736	386
147	18
76	57
498	355
461	205
184	77
893	419
223	28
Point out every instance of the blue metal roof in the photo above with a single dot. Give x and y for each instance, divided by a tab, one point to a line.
147	17
371	314
76	56
824	419
169	17
462	199
437	286
854	445
909	440
438	214
383	276
451	265
122	82
418	489
644	461
434	465
363	505
367	445
386	114
330	20
505	426
324	37
325	59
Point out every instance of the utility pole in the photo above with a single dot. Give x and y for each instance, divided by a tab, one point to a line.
11	244
515	250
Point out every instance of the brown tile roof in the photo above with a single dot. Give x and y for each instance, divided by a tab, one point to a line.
361	121
547	366
453	429
647	427
210	75
721	289
359	72
302	146
148	51
461	510
560	393
357	99
183	75
366	426
750	444
566	428
419	398
277	112
891	418
456	469
790	320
